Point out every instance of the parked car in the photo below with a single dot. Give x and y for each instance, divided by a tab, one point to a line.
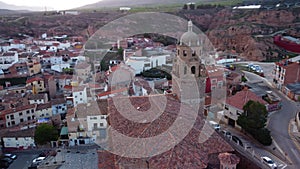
237	140
268	161
38	160
226	133
7	160
215	125
11	156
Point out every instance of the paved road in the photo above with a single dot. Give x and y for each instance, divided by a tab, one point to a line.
252	149
24	159
279	125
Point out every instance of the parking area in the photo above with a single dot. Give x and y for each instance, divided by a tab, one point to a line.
23	159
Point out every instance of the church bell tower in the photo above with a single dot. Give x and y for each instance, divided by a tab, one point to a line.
188	72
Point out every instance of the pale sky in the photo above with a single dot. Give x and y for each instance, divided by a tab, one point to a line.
55	4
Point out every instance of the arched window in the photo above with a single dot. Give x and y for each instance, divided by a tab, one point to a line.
194	53
193	69
184	53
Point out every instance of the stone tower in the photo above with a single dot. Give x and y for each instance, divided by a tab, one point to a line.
188	73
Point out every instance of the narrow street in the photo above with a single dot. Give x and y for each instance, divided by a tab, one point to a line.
279	124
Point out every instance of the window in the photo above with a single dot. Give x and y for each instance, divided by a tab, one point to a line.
28	118
101	124
95	125
80	93
20	114
7	117
12	117
226	107
32	111
13	123
194	53
193	69
33	117
8	124
21	120
80	99
93	118
27	112
213	81
102	117
184	53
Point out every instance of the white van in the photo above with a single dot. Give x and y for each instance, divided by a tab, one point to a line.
215	125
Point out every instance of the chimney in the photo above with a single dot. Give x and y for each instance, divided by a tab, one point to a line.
228	160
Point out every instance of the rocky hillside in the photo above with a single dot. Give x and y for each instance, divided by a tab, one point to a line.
245	32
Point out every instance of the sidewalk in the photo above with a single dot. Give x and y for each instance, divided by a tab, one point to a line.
249	140
294	133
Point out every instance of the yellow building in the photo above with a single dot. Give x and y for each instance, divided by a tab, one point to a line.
37	84
34	68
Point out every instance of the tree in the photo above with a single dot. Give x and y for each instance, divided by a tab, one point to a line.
45	133
120	51
192	6
253	121
185	6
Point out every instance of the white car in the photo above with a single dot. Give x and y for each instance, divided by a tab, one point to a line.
214	125
38	160
269	162
11	156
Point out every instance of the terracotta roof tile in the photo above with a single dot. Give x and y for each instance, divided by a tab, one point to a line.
30	80
188	153
241	98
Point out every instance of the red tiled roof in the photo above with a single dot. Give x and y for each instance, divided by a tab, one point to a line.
43	106
143	83
241	98
34	79
20	108
112	92
19	133
8	54
68	87
188	153
58	101
82	65
64	77
55	44
215	72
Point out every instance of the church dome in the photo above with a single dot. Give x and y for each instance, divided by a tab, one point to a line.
190	38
